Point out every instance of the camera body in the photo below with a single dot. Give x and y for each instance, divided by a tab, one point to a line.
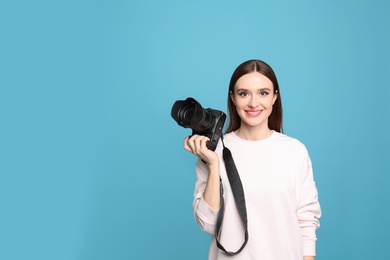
208	122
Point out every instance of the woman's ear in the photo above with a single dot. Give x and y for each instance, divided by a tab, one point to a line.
232	97
276	94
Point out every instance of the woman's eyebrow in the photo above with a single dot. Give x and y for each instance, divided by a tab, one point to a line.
265	89
260	89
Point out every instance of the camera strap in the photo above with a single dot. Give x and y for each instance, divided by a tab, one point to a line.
239	198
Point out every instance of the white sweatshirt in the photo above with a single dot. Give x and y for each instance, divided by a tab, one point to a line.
281	200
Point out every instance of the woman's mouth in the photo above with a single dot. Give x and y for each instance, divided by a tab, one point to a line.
253	113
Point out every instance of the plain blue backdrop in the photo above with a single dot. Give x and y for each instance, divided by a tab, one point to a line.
91	163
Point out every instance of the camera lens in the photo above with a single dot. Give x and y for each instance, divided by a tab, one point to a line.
190	114
186	113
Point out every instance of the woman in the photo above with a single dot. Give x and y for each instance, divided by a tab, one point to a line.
275	171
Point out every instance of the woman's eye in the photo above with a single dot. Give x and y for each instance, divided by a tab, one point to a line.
243	94
264	93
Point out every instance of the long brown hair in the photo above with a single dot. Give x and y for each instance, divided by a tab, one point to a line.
275	120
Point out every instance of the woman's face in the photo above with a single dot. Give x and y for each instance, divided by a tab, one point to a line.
253	97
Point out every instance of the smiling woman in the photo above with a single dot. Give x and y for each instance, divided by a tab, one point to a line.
253	98
275	170
266	78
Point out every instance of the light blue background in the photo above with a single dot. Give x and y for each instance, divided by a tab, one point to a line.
92	165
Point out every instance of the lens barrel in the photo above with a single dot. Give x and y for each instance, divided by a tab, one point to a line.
190	114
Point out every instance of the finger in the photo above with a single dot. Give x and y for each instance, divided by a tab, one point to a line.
200	145
204	144
196	143
187	144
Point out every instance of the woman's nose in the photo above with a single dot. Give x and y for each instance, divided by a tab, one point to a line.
253	102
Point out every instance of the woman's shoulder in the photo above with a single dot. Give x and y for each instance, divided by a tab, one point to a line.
229	136
290	142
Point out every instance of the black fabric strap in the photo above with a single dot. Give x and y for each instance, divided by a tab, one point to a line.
239	198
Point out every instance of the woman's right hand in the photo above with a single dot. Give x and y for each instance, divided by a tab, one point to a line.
197	145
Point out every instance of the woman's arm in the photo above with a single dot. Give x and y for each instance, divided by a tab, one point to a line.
197	145
211	194
308	258
309	210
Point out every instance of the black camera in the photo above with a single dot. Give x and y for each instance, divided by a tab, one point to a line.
209	122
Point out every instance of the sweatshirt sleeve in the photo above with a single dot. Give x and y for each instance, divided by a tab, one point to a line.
308	211
205	216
